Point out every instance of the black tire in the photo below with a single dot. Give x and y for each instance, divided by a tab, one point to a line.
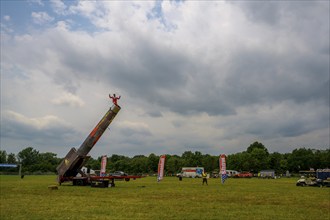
80	183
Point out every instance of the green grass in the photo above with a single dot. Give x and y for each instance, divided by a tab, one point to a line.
30	198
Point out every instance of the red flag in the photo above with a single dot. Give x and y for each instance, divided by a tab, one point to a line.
161	166
103	165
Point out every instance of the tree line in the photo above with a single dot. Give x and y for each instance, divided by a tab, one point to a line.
255	158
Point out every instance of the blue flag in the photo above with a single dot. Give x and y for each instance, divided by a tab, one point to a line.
224	177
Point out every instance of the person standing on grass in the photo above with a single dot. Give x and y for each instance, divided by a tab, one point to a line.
204	175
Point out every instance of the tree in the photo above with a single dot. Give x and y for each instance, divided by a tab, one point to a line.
232	162
258	160
210	163
188	159
138	164
239	161
173	164
118	162
275	162
123	165
3	156
257	145
300	159
152	163
48	162
255	158
28	158
114	158
198	158
93	164
192	159
321	159
11	158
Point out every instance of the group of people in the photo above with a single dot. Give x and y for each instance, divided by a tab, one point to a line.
204	176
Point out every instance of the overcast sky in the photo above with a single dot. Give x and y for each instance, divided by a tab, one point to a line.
193	76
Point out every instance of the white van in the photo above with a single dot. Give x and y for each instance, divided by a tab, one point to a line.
192	172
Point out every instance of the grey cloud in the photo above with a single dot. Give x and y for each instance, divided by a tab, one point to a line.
270	129
51	134
128	132
154	113
286	119
287	61
261	77
260	11
275	12
165	76
150	70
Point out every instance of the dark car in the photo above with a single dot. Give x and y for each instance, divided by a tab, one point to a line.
118	173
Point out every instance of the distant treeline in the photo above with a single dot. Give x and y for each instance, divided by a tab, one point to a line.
254	159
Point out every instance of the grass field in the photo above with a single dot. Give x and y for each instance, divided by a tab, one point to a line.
30	198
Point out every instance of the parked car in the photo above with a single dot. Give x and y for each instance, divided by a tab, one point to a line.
244	175
118	173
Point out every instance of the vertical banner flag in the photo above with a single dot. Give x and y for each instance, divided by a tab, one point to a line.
161	165
222	163
103	165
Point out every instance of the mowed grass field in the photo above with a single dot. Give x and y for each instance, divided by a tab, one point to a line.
30	198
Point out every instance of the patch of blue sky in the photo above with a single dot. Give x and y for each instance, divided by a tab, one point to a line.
81	23
157	13
17	17
14	72
16	14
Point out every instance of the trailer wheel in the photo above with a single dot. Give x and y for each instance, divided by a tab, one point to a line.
106	183
80	183
126	179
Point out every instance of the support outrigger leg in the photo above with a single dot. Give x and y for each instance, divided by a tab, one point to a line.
112	184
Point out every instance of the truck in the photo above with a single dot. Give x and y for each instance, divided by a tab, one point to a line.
269	174
192	172
72	164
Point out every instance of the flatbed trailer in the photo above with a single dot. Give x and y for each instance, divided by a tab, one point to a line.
98	181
